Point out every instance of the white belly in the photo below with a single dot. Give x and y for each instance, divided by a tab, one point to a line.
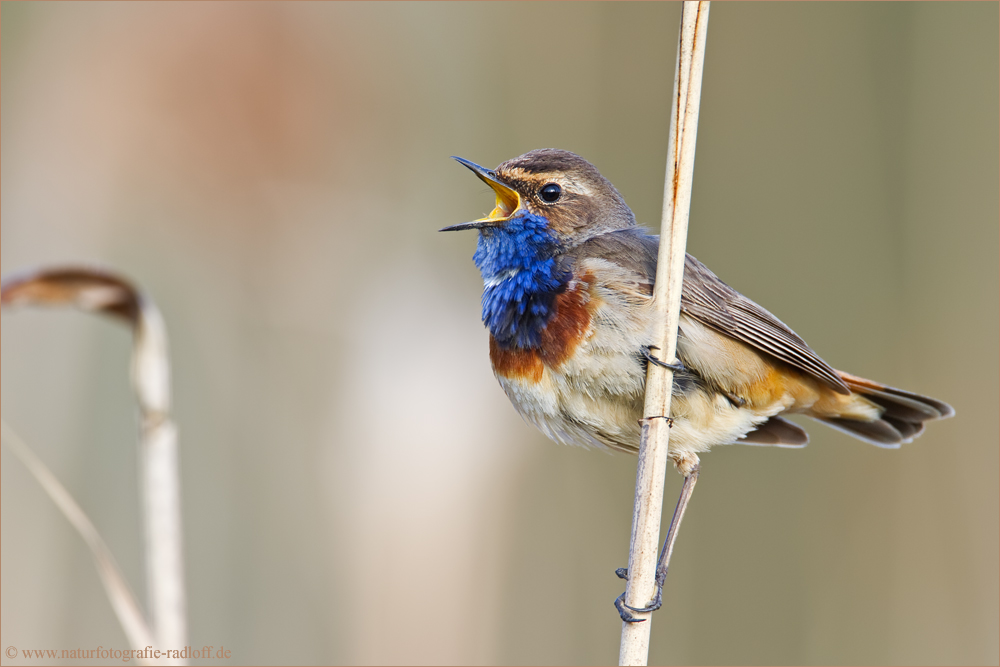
576	411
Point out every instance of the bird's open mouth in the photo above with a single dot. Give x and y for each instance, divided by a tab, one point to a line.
508	201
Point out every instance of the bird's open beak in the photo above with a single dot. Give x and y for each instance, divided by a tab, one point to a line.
508	200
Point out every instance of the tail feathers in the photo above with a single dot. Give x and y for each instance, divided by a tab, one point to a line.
880	432
897	400
902	417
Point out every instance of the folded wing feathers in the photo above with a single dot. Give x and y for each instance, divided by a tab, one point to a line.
719	306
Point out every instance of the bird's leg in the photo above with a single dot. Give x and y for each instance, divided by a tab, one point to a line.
648	354
668	545
663	563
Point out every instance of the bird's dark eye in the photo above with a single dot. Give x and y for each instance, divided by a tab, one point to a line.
550	192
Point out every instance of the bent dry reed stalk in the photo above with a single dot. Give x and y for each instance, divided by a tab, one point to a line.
107	293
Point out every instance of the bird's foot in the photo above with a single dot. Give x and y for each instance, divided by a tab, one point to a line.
689	465
620	605
655	604
623	609
647	352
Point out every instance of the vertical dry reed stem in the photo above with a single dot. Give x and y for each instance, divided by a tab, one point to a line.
653	448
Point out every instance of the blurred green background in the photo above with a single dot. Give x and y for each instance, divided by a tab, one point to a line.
356	487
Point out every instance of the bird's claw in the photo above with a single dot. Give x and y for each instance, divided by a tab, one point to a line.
648	354
623	610
620	605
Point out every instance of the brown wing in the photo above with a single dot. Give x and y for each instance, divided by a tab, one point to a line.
713	302
717	305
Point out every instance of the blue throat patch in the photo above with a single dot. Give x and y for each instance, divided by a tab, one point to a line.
521	279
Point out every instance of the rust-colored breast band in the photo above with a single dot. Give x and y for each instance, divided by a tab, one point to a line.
515	363
570	324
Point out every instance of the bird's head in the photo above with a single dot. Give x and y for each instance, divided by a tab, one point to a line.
568	192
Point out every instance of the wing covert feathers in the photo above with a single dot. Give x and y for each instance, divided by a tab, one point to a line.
717	305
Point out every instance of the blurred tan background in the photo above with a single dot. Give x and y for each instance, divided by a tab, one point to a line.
274	175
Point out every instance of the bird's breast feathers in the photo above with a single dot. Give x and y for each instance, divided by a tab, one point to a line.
581	383
584	382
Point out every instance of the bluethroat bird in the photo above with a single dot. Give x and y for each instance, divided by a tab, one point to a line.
568	280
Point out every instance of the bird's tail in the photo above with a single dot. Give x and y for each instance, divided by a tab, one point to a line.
902	413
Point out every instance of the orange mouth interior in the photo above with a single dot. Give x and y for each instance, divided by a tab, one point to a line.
507	202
